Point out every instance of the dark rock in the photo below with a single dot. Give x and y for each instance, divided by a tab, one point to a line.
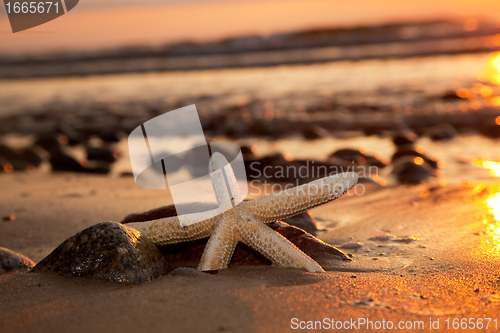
442	132
29	155
107	251
248	151
351	246
5	165
101	154
49	143
373	161
349	155
408	172
99	170
315	132
490	128
20	159
186	271
405	154
7	153
310	245
74	137
404	138
61	161
109	135
381	129
11	261
304	221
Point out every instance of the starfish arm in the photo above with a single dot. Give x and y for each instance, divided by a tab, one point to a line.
275	247
296	200
220	247
169	230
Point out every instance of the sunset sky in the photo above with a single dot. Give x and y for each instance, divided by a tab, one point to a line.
95	24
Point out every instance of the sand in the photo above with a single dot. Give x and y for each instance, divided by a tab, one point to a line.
452	271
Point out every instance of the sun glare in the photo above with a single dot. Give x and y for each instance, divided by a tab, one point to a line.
492	72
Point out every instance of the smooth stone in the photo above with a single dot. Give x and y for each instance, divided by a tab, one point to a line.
61	161
101	154
20	159
404	138
107	251
442	132
315	132
489	128
48	142
11	261
404	153
186	271
407	172
30	156
304	221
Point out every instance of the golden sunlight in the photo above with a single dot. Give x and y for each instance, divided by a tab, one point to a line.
493	166
492	72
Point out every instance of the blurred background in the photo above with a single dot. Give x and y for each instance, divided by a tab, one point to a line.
409	85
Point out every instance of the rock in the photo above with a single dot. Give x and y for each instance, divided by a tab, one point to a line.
304	221
48	142
442	132
404	138
352	246
12	261
248	151
74	137
101	154
107	251
349	155
109	135
60	161
30	156
315	132
408	172
406	154
20	159
312	246
186	271
490	128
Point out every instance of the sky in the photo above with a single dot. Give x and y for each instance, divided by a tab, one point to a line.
98	24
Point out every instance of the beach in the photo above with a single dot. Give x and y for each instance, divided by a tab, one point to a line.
451	271
412	107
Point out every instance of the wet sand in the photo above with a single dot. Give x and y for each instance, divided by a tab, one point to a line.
451	271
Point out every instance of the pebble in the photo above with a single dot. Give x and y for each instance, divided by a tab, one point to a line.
351	246
61	161
408	172
107	251
11	261
304	221
101	154
315	132
443	132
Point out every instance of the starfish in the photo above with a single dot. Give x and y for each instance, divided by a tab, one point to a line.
236	220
